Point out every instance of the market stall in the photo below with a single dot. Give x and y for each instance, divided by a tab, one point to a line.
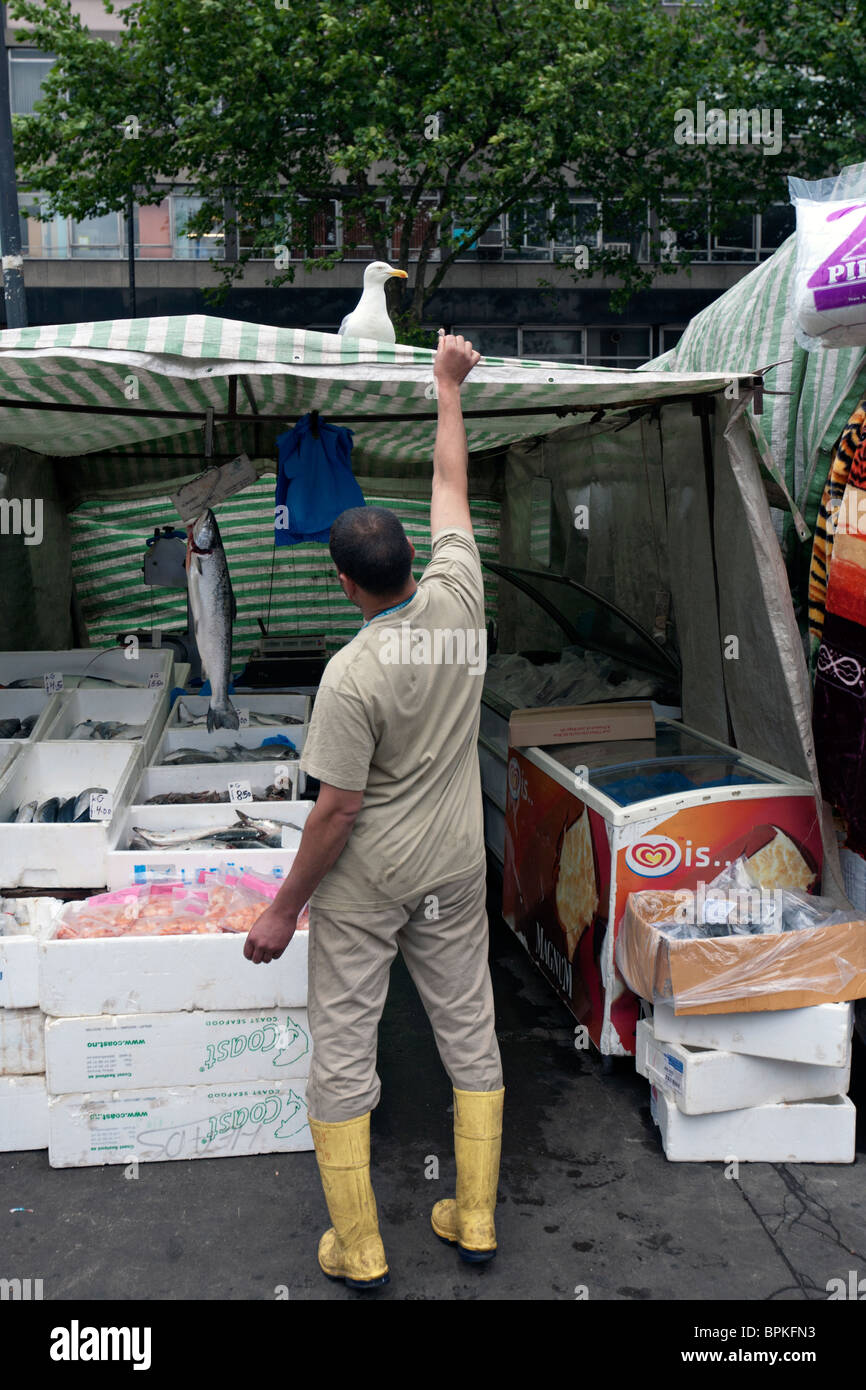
635	558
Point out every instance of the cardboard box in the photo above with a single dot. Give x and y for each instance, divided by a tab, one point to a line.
818	1037
23	1113
807	1131
166	974
703	1081
738	974
158	1125
549	724
177	1049
22	1043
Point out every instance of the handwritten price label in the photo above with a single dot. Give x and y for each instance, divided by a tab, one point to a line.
155	681
243	719
52	681
240	791
100	805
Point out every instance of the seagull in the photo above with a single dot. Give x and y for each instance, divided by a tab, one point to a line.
369	318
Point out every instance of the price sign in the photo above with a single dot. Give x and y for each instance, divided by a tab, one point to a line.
155	681
243	719
240	791
52	681
100	805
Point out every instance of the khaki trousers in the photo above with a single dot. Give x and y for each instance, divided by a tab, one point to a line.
443	938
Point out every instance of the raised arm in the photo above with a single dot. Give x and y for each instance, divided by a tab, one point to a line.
449	505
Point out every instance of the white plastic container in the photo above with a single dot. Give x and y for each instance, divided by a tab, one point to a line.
22	1042
177	1049
806	1131
125	866
19	704
19	972
214	777
702	1081
175	738
145	708
166	974
23	1113
62	856
158	1125
112	663
819	1035
270	703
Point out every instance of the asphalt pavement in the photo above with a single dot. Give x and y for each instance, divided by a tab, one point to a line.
589	1206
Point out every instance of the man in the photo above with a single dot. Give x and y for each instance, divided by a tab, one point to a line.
392	854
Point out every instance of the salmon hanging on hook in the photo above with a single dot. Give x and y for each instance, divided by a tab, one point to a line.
213	608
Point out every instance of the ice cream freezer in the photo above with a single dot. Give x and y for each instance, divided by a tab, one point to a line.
586	824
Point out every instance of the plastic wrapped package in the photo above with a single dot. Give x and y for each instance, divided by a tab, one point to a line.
805	953
220	903
828	287
579	677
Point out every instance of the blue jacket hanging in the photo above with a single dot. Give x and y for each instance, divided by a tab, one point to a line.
315	481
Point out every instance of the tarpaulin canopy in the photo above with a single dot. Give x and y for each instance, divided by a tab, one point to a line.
809	395
148	385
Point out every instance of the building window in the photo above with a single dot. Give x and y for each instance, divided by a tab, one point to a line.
27	70
152	231
491	339
736	242
552	343
188	245
42	240
669	336
777	223
98	237
627	346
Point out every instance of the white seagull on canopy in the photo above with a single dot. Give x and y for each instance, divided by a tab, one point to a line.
369	318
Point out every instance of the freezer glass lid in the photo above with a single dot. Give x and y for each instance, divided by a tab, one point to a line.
675	761
591	621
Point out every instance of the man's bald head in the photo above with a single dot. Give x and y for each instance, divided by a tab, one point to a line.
369	546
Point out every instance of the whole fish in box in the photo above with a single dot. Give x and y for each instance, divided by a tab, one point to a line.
213	609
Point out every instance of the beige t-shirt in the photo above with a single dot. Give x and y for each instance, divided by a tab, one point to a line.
397	716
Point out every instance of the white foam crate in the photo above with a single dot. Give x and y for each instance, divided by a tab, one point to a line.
90	662
160	1124
9	750
167	974
270	703
703	1081
62	856
175	738
18	704
819	1035
147	708
214	777
19	972
22	1042
126	866
805	1131
23	1113
177	1049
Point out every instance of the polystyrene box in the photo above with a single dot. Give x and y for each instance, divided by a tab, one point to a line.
805	1131
166	974
264	704
177	1049
178	1122
22	1042
215	777
703	1081
19	972
819	1035
23	1113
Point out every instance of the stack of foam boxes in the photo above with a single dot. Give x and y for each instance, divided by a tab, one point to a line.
173	1047
146	1049
763	1087
23	1094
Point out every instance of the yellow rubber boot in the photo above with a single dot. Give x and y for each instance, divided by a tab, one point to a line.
352	1249
467	1222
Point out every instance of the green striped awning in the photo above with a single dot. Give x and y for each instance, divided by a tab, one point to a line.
750	328
194	363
